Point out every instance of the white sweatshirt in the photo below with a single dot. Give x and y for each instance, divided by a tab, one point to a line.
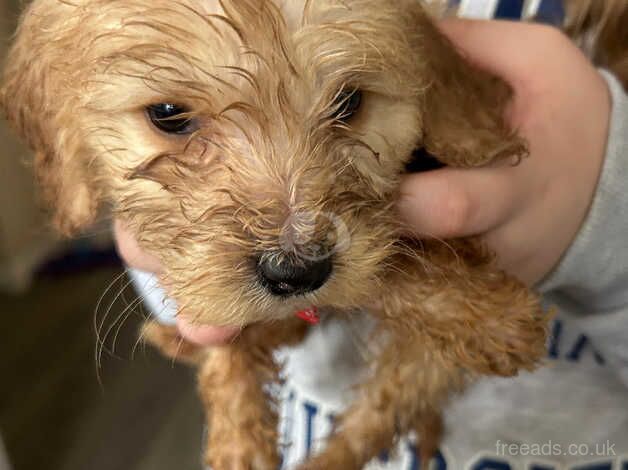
571	414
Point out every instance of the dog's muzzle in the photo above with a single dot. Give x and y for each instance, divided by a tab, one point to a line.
285	275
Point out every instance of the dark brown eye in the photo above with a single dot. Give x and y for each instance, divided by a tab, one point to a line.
348	103
171	118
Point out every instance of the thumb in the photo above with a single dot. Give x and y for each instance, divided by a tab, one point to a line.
454	202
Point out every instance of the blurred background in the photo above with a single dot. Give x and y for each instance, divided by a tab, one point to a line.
59	409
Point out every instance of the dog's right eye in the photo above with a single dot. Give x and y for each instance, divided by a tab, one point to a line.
171	118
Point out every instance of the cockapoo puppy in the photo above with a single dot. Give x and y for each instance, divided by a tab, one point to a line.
256	147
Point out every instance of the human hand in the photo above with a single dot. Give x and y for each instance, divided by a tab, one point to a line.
529	213
137	258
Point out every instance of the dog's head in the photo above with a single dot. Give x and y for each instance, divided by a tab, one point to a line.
254	146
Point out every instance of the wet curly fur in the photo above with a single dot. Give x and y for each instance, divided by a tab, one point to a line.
271	170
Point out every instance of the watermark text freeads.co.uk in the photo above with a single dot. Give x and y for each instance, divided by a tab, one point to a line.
553	449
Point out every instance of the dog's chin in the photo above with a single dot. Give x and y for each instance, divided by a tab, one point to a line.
266	307
261	308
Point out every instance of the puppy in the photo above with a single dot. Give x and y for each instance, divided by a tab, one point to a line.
256	147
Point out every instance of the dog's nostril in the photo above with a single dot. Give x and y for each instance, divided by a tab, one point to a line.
285	276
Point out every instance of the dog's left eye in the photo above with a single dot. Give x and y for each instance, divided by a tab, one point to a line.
171	118
348	103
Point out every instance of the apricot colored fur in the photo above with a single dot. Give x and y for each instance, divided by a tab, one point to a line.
268	167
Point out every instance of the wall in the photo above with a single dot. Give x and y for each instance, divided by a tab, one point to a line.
24	236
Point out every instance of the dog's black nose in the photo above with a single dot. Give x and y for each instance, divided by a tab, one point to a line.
285	276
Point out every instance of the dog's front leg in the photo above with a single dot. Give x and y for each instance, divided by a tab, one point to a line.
406	391
235	383
441	329
241	420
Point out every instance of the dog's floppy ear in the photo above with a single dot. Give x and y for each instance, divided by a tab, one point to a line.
38	106
464	123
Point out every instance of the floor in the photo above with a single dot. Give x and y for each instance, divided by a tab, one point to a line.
54	413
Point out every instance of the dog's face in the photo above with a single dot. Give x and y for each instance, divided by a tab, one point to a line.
254	146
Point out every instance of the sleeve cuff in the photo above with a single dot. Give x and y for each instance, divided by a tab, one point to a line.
594	270
161	308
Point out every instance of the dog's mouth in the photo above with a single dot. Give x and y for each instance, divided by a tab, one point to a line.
309	315
422	161
286	276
